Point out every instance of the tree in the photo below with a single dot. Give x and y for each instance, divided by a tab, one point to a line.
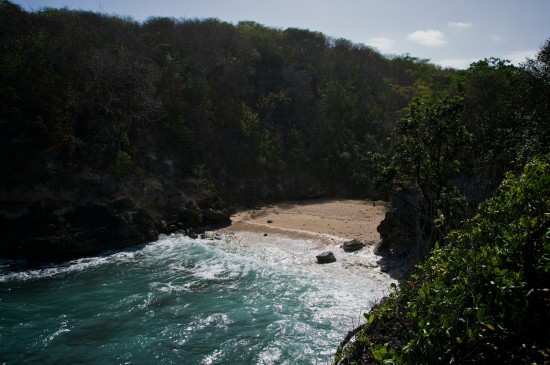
481	298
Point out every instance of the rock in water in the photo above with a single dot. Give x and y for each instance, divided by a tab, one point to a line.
352	245
325	257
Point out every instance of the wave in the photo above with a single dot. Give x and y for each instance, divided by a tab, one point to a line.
241	298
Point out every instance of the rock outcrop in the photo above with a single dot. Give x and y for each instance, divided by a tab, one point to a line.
325	257
398	231
353	245
88	213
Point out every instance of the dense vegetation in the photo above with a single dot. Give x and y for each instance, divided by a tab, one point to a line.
250	112
481	295
453	147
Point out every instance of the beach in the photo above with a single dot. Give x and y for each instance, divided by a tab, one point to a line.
304	229
325	220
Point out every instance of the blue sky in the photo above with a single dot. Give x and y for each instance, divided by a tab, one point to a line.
447	32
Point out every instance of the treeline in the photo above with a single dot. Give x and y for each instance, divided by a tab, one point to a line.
246	110
452	148
470	166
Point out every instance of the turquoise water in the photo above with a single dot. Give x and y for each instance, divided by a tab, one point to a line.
183	301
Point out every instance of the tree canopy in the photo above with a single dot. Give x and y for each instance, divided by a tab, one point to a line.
265	109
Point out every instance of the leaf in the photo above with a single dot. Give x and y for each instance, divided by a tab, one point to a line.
377	355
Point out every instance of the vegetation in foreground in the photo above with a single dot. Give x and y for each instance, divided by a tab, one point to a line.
483	297
480	293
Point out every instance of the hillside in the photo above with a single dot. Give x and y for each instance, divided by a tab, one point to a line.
113	130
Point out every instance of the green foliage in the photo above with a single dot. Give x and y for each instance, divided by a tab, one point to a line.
244	99
123	164
296	150
480	298
426	146
204	186
454	147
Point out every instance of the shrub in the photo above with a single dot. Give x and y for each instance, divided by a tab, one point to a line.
482	297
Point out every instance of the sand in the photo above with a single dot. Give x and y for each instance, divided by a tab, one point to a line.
323	220
297	232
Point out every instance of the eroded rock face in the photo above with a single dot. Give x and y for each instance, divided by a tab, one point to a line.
91	212
398	230
216	215
51	230
325	257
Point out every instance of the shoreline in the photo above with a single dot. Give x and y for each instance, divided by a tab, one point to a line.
304	229
324	225
325	220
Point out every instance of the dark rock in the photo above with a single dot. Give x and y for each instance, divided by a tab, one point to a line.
269	221
353	245
325	257
398	230
122	202
191	216
216	215
90	215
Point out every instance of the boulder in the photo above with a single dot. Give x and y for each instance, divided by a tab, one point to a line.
190	216
216	215
325	257
353	245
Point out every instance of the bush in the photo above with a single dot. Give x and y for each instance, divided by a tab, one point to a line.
481	298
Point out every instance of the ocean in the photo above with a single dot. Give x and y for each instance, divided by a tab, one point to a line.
223	299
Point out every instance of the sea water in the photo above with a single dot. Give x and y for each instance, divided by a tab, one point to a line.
187	301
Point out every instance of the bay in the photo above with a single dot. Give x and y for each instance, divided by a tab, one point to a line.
230	299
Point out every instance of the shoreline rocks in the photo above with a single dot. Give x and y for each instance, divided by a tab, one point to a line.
353	245
326	257
55	227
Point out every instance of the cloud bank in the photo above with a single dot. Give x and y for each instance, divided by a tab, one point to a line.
428	37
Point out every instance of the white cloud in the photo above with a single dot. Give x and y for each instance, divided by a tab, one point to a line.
383	44
460	25
458	63
428	37
517	57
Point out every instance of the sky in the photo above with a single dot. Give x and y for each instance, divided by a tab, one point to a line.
450	33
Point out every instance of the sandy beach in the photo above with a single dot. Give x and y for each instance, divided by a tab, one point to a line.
298	231
323	220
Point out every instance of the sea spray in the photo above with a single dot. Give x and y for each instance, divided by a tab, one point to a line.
243	298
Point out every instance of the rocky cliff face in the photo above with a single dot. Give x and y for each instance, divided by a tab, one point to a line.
71	213
399	229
